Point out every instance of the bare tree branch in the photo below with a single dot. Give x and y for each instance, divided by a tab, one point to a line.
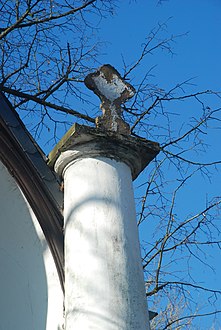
47	104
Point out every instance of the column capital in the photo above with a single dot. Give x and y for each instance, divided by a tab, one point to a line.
88	142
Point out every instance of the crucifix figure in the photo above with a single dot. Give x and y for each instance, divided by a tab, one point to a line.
113	91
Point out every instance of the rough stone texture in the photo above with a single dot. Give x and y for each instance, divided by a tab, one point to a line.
113	91
83	141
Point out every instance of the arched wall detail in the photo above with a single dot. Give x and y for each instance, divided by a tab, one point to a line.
31	295
19	165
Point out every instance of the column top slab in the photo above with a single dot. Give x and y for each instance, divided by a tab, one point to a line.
88	142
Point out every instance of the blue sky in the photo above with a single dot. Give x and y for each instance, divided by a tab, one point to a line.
197	54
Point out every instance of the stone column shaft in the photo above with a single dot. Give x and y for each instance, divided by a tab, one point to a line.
104	285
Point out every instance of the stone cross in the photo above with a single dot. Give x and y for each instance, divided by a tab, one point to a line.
113	91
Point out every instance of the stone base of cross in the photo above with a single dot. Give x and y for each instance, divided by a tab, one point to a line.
118	124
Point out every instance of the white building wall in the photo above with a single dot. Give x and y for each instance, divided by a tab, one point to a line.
30	293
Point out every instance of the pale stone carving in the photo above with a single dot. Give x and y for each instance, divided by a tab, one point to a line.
113	91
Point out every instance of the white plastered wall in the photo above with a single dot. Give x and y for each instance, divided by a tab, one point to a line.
30	293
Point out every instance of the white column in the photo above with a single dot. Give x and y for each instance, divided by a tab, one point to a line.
104	285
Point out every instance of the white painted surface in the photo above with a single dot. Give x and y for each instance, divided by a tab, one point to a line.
113	89
30	294
103	275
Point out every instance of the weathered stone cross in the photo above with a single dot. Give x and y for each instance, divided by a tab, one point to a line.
113	91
